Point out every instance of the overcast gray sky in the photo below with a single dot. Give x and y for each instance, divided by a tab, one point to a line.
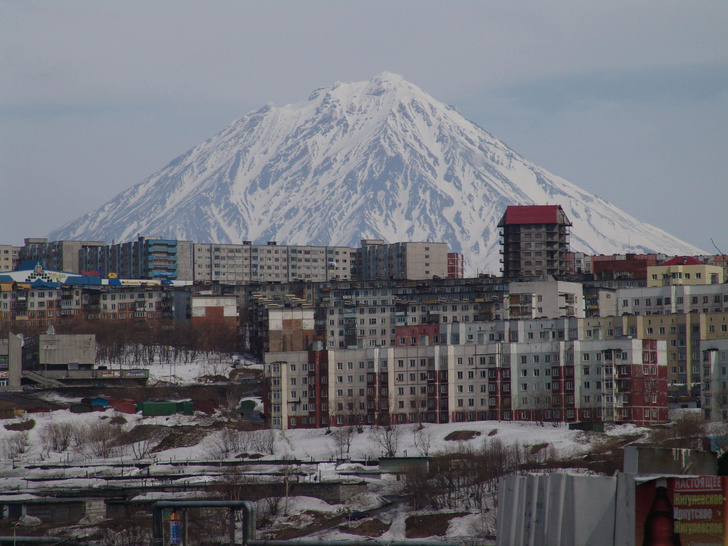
626	99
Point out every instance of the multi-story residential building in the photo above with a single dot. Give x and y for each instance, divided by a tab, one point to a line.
684	270
366	314
676	298
170	259
455	265
198	309
535	241
151	305
57	255
247	263
714	388
578	262
625	266
9	257
47	297
145	258
683	334
720	260
507	370
599	301
411	260
537	299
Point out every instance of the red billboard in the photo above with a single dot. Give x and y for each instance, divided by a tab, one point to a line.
682	511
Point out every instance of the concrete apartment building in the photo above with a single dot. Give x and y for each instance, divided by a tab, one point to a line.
683	334
146	258
674	298
455	265
201	309
160	258
411	260
57	255
684	270
535	241
25	304
9	257
366	314
508	370
537	299
249	263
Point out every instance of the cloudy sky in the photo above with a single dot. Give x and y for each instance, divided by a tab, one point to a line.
626	99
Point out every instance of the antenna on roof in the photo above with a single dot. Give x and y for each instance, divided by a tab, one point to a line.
716	247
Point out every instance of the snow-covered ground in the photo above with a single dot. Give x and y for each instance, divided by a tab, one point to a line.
202	367
30	463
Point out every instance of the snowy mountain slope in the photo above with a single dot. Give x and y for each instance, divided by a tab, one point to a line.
377	159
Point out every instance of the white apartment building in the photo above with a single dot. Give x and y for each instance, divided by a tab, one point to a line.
9	257
538	299
246	263
661	300
516	370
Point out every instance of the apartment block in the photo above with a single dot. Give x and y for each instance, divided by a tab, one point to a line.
23	304
455	265
57	255
683	334
9	257
249	263
146	258
507	370
684	270
529	300
535	241
674	298
411	260
366	314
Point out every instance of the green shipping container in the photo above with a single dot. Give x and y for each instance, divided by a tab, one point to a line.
150	409
186	408
247	405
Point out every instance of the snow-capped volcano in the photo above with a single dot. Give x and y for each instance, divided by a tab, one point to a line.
379	159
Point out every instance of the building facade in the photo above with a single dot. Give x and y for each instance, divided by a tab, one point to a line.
57	255
146	258
411	260
508	370
684	270
52	354
9	257
535	241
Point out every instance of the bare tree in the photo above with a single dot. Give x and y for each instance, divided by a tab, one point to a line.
100	438
387	437
260	441
57	436
343	436
422	440
224	444
15	445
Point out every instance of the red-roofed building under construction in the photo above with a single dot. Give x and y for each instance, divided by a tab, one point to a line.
535	241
